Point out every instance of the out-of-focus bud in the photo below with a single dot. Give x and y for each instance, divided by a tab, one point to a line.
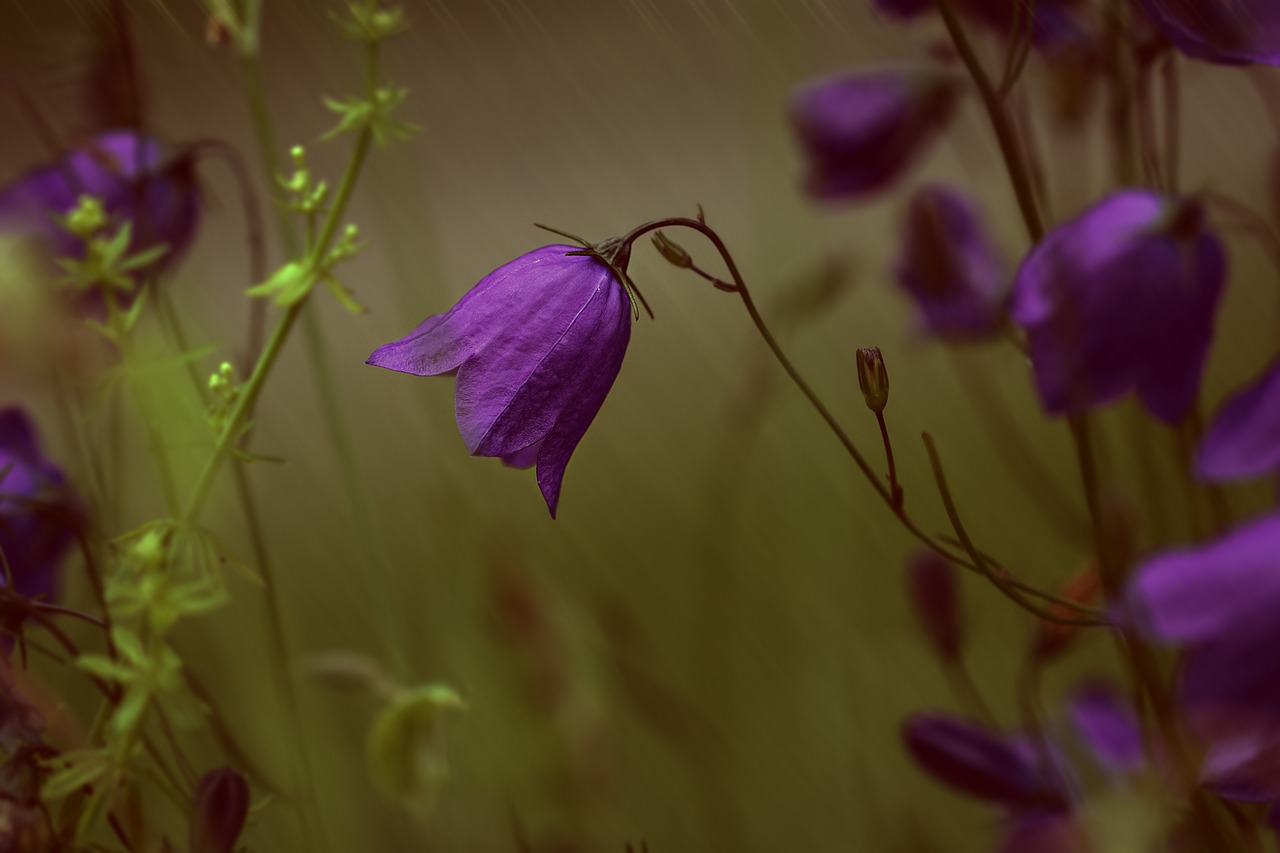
873	378
673	252
1053	638
218	812
934	590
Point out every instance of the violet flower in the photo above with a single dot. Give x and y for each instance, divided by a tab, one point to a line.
136	178
34	539
861	130
933	588
1230	32
1122	298
1219	602
1054	23
536	346
1244	439
949	266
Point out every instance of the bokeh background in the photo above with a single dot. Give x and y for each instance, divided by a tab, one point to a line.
710	648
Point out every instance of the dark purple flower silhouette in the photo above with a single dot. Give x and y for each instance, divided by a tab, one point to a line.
218	813
33	538
949	267
1122	298
136	178
1054	23
1225	31
1244	439
536	346
860	130
904	9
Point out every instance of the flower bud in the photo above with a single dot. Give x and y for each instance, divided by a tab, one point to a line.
1053	638
218	812
934	591
873	378
673	252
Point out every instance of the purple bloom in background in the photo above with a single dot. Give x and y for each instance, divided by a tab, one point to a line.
949	266
137	180
1225	31
1122	298
34	540
536	346
1108	726
861	130
1053	22
1244	439
1220	603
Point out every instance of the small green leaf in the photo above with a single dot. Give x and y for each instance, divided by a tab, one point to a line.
78	769
105	667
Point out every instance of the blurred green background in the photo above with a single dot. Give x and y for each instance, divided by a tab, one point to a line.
710	649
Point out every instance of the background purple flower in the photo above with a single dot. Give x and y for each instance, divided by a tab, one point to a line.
1224	31
934	590
136	178
1122	298
860	130
1244	439
536	346
948	265
33	540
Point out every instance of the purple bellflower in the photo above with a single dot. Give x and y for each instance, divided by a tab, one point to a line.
1122	298
949	266
861	130
1244	439
33	539
136	178
933	587
1230	32
1219	602
536	346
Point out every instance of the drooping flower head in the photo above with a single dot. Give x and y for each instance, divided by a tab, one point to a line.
536	346
1231	32
33	539
949	266
1122	298
860	130
1244	439
136	178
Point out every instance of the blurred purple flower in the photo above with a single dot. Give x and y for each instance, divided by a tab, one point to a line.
1231	32
1123	297
1219	602
1244	439
218	812
861	130
934	591
34	539
536	346
135	177
949	266
1054	23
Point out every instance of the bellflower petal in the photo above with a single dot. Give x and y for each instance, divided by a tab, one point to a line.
536	346
1122	298
136	178
861	130
1230	32
1108	726
949	266
1244	439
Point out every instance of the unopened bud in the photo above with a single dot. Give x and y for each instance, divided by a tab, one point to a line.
873	378
934	590
673	252
218	812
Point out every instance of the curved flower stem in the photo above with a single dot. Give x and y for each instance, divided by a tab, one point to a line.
1005	137
739	286
895	488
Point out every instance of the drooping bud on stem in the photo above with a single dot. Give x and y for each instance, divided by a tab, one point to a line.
873	378
218	812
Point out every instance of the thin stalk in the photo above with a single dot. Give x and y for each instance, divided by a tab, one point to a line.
895	488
